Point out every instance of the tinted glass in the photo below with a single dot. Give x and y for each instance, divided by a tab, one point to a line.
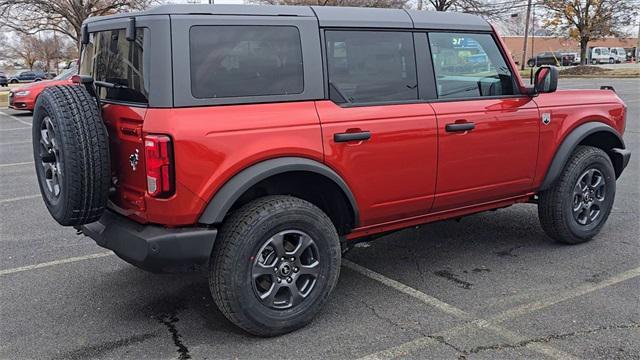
111	58
67	74
469	65
371	66
233	61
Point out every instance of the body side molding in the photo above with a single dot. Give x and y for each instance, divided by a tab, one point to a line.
224	198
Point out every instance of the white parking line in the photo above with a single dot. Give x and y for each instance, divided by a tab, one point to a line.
565	295
13	129
19	198
17	164
54	263
402	350
429	300
15	118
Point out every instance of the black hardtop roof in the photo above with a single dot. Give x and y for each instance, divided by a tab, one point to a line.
328	16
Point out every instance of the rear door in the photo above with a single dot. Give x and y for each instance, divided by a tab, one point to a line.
488	133
378	133
110	57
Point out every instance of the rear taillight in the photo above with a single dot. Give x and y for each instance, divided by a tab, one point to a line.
159	164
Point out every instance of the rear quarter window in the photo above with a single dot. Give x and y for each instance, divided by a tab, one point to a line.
239	61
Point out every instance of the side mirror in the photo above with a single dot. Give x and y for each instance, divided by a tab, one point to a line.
546	79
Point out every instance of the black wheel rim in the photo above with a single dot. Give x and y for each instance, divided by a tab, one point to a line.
285	270
49	158
589	196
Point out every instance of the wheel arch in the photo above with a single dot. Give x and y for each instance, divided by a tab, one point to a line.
300	177
592	133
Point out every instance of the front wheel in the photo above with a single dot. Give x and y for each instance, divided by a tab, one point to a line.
274	264
577	206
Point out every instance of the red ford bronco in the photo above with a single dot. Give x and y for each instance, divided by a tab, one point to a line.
261	142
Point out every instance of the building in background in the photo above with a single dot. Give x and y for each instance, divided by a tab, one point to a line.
552	43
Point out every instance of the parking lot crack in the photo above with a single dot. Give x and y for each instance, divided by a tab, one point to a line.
389	320
170	320
509	252
440	339
548	338
452	277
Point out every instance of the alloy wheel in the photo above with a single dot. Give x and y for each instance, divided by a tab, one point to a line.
49	157
285	270
588	196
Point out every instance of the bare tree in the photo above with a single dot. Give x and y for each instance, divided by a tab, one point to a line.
587	20
25	48
62	16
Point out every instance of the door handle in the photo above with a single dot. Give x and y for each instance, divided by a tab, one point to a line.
459	127
352	136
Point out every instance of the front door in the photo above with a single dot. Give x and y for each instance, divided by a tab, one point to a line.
377	134
488	134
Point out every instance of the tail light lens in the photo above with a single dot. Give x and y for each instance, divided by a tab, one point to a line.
159	165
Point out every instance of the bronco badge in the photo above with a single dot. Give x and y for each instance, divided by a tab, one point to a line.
133	160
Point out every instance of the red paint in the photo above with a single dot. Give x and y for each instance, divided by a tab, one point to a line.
27	102
495	160
393	174
411	171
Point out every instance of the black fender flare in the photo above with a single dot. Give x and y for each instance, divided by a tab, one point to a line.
571	142
227	195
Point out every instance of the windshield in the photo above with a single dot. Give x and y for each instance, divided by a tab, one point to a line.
110	58
67	74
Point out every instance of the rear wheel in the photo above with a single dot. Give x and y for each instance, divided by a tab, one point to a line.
275	262
577	206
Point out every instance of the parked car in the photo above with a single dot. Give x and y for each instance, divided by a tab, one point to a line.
283	135
24	97
618	54
3	79
555	58
600	55
28	76
574	57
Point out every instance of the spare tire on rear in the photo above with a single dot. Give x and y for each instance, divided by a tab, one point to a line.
71	154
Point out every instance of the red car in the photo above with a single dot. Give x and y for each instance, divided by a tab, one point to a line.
24	97
259	143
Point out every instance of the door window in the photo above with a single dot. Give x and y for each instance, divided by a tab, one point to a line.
469	66
371	66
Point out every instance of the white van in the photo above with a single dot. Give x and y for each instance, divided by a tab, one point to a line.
600	55
618	54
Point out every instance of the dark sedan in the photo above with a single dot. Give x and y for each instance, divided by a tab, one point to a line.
551	58
3	80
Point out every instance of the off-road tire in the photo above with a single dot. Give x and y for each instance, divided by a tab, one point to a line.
555	204
242	235
82	154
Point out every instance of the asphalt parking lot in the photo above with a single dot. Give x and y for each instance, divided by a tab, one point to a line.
491	286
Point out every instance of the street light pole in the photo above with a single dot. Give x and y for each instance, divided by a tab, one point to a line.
526	35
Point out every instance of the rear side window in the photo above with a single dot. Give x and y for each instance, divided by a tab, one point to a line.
469	66
238	61
110	57
371	66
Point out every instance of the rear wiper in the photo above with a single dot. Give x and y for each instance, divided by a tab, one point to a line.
109	85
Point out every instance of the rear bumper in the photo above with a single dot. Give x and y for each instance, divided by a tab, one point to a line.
150	247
